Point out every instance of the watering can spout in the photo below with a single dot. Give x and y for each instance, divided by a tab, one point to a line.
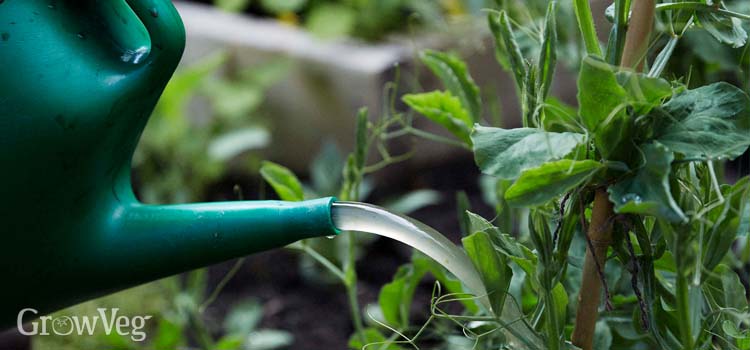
152	241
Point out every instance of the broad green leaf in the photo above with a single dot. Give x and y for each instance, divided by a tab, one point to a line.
506	40
506	153
396	296
455	76
600	97
493	268
708	122
602	103
283	181
445	109
478	223
648	192
645	92
504	242
540	185
548	53
725	29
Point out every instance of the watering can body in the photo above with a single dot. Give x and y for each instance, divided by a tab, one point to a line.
79	80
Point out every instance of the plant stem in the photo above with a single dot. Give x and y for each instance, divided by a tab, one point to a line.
586	25
683	310
600	235
223	283
551	322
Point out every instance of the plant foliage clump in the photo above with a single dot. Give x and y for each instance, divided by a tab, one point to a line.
623	193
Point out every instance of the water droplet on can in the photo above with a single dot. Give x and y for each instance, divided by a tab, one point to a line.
631	197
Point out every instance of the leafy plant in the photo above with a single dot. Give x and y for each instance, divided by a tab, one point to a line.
346	179
623	194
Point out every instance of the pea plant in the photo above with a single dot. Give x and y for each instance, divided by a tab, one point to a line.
347	179
634	238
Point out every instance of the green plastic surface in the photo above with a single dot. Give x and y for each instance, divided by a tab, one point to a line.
78	81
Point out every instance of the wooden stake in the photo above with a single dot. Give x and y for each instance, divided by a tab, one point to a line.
639	32
600	229
600	236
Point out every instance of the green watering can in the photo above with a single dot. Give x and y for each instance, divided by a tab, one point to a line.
78	81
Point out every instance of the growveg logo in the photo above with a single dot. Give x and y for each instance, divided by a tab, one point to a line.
106	321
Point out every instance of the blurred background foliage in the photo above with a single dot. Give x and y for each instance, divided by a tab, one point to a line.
179	157
370	20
